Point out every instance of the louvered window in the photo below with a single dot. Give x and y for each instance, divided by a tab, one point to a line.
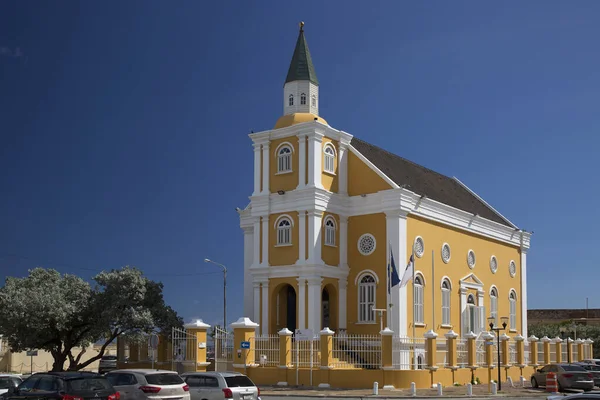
366	299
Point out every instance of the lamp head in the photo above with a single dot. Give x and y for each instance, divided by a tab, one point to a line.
491	320
206	260
504	322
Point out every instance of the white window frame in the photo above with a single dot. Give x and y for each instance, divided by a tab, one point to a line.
367	296
446	302
494	304
284	158
419	299
329	226
303	99
284	225
291	100
313	100
512	319
329	158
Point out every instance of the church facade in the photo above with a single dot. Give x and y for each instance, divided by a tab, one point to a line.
329	210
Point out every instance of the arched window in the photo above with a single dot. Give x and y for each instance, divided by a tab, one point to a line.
291	100
303	99
329	231
446	290
366	298
313	100
284	232
419	297
284	159
494	305
512	300
329	164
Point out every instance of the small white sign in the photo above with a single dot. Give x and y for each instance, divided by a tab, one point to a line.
201	345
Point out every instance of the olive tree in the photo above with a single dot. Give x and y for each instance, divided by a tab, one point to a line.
64	314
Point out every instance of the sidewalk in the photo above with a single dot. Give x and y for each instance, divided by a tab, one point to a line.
450	391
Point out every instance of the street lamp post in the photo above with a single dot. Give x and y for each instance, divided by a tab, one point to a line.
497	329
206	260
566	332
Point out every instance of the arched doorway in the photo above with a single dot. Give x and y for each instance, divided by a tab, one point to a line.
329	307
283	308
325	308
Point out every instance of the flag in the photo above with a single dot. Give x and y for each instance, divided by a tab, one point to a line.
392	272
408	272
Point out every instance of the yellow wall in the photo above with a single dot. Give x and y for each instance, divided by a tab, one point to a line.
287	181
374	224
328	180
330	254
434	235
283	255
362	179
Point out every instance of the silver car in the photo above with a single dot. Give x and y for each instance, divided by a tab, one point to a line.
568	376
220	386
148	384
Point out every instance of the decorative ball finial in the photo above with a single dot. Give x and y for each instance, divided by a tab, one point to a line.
302	26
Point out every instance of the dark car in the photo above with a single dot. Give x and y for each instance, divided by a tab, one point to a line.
64	386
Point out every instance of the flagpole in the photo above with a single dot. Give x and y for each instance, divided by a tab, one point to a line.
387	293
414	333
432	291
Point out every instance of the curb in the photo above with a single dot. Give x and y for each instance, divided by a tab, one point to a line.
383	397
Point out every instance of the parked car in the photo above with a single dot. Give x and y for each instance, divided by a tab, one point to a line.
568	376
64	386
591	361
143	384
577	396
220	385
107	363
8	381
593	369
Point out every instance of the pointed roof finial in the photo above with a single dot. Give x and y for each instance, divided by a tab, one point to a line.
302	26
301	67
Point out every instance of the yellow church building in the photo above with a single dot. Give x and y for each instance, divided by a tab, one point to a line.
327	211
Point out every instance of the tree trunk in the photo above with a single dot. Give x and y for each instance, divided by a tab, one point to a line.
59	361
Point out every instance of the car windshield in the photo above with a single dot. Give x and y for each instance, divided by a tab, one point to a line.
164	379
238	381
6	382
572	368
91	384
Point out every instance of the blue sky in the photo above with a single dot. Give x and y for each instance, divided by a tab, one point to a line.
124	125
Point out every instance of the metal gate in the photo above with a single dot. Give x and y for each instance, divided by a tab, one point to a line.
223	350
184	349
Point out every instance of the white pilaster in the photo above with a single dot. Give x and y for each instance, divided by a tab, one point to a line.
314	237
463	308
264	324
523	292
256	303
265	170
397	318
343	242
342	300
301	161
257	170
301	303
301	237
248	259
314	303
256	245
482	316
314	160
265	241
343	169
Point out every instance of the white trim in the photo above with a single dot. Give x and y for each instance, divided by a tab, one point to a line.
361	238
442	253
493	257
512	274
446	278
284	144
474	259
383	176
512	290
335	230
415	242
484	202
365	272
329	217
420	274
283	216
329	144
478	284
493	287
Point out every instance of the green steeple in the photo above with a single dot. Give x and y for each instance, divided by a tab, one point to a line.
301	67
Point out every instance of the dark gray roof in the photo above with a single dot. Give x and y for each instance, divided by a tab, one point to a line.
426	182
301	67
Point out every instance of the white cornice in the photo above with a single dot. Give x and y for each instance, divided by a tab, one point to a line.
303	129
293	271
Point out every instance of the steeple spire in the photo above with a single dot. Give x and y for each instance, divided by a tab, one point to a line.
301	67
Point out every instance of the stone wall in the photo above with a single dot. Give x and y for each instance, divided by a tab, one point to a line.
582	316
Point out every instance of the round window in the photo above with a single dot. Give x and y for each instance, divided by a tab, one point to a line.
446	253
512	268
493	264
471	259
419	246
366	244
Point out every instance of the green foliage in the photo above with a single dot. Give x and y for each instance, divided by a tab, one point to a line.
581	331
58	313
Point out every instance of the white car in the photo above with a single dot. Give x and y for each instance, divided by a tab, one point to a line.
221	386
148	384
9	380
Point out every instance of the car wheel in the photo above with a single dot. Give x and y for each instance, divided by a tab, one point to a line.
534	383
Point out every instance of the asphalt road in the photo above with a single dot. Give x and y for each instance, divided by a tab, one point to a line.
383	397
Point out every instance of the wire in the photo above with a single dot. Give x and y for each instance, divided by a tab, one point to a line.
97	270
